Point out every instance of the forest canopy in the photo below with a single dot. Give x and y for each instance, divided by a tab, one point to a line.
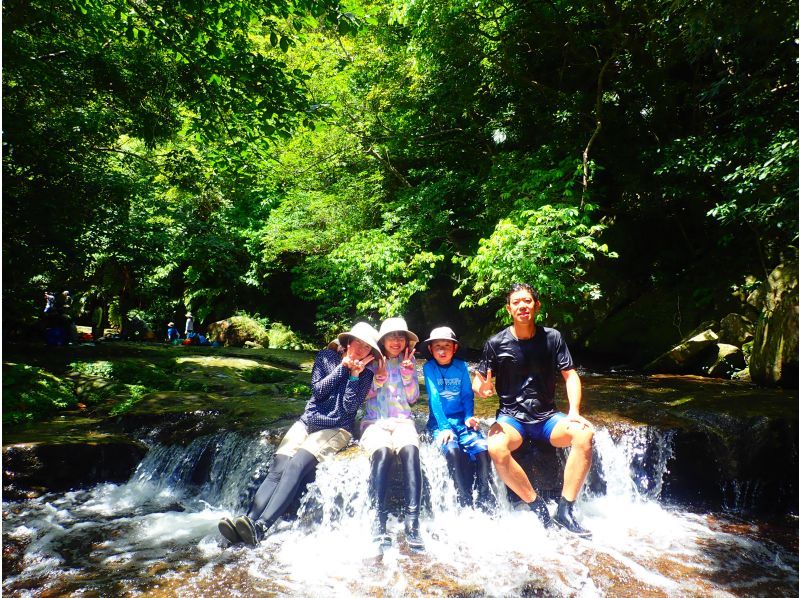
346	158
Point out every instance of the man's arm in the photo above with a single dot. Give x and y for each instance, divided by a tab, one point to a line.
574	395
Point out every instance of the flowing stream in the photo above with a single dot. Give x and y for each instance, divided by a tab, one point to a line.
156	535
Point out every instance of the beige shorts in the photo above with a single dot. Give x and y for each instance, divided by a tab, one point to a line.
323	444
390	433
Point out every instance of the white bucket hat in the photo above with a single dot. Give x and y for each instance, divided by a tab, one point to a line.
365	333
390	325
442	333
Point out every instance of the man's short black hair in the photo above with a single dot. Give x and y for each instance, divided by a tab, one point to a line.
521	286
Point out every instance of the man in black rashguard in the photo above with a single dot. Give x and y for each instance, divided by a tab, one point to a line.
521	363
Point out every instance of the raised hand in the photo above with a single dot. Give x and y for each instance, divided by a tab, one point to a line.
407	364
356	366
380	374
486	388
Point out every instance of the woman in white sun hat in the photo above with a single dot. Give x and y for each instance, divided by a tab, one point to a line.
339	385
388	429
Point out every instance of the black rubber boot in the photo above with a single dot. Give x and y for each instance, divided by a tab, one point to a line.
539	507
381	462
297	470
460	471
412	492
566	518
228	530
483	479
267	487
251	532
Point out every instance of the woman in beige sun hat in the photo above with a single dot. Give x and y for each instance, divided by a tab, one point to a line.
339	384
388	429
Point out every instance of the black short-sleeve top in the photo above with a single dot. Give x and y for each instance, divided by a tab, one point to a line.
525	371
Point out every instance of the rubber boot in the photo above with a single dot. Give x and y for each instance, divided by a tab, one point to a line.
267	487
566	518
456	465
412	493
483	479
297	470
381	464
539	507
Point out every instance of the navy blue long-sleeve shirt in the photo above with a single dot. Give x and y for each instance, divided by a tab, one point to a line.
335	398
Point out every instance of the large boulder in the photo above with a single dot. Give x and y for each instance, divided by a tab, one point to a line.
728	360
773	360
735	329
235	331
683	358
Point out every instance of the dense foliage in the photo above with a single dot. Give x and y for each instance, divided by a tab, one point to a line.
318	161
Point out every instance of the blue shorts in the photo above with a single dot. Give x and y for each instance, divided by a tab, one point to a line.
538	431
470	441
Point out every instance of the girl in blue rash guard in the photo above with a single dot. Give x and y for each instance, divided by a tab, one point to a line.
451	422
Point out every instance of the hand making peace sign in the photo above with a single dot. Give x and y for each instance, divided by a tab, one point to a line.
486	388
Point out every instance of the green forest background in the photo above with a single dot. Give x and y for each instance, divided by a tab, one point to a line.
312	162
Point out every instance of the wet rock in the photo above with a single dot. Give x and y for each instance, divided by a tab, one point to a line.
38	467
683	358
736	464
729	359
774	359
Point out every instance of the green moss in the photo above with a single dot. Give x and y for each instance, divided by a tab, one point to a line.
31	393
261	375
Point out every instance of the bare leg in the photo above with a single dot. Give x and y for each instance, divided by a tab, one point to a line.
503	439
579	439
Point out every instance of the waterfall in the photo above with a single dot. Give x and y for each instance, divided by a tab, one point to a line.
115	539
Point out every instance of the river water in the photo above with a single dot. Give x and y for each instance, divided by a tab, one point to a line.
156	535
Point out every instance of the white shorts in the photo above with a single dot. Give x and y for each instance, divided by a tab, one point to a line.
323	444
392	433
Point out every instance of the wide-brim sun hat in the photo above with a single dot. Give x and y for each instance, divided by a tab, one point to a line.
334	345
442	333
365	333
390	325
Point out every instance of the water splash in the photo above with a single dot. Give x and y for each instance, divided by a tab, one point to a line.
161	525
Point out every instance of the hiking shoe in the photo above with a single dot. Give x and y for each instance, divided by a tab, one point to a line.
249	531
413	539
566	518
228	530
539	507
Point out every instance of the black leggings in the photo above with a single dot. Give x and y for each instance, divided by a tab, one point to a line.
286	480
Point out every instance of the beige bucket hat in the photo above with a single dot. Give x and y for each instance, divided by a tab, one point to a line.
365	333
397	325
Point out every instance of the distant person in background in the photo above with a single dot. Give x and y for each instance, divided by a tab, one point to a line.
172	332
189	325
451	421
339	385
49	302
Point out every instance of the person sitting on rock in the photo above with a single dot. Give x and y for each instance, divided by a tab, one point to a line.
526	360
451	422
339	386
388	430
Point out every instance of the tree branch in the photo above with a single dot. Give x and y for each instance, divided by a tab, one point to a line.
599	124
